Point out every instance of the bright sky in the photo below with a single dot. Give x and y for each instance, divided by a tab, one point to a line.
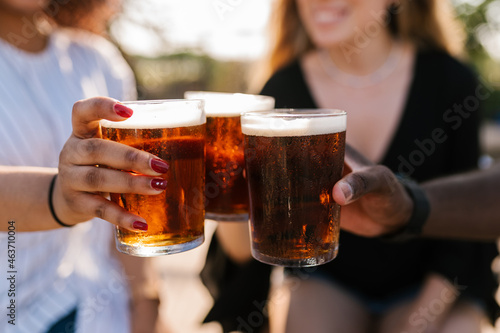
225	29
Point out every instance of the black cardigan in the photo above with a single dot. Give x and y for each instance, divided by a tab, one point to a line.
437	135
370	267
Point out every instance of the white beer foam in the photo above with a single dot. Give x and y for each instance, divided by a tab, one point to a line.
160	114
293	123
219	104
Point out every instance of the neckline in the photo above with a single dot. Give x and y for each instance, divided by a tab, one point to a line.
361	81
414	84
26	55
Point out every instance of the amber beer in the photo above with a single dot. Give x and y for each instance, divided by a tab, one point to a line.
226	193
293	160
173	130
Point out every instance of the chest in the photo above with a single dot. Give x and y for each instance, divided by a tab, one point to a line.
373	113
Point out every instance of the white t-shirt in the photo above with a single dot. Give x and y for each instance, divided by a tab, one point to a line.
56	271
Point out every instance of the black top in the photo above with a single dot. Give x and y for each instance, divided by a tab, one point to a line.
437	135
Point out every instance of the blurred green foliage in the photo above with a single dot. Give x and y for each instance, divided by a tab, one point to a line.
169	76
481	19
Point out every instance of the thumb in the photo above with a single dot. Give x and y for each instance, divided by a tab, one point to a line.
373	179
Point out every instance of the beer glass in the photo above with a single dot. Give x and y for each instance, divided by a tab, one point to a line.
226	193
293	160
173	130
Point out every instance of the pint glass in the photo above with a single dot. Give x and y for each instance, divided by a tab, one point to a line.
226	193
173	130
293	160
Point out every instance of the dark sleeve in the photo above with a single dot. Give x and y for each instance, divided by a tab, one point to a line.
463	117
465	264
461	122
239	291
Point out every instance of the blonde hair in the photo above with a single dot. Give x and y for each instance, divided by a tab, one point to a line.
428	24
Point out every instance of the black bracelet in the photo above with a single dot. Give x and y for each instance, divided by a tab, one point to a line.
51	204
419	215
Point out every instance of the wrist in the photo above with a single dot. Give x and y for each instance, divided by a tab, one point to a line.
416	215
53	202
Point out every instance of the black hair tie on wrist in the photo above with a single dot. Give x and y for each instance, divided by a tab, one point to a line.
51	204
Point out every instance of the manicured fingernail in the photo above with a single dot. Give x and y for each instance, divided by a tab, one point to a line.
346	190
122	110
159	166
159	184
140	226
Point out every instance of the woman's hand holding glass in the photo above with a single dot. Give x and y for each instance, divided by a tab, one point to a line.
83	181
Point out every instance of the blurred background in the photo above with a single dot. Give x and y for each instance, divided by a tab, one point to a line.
174	46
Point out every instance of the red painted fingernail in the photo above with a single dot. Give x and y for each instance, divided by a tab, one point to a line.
122	110
159	184
140	226
159	166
